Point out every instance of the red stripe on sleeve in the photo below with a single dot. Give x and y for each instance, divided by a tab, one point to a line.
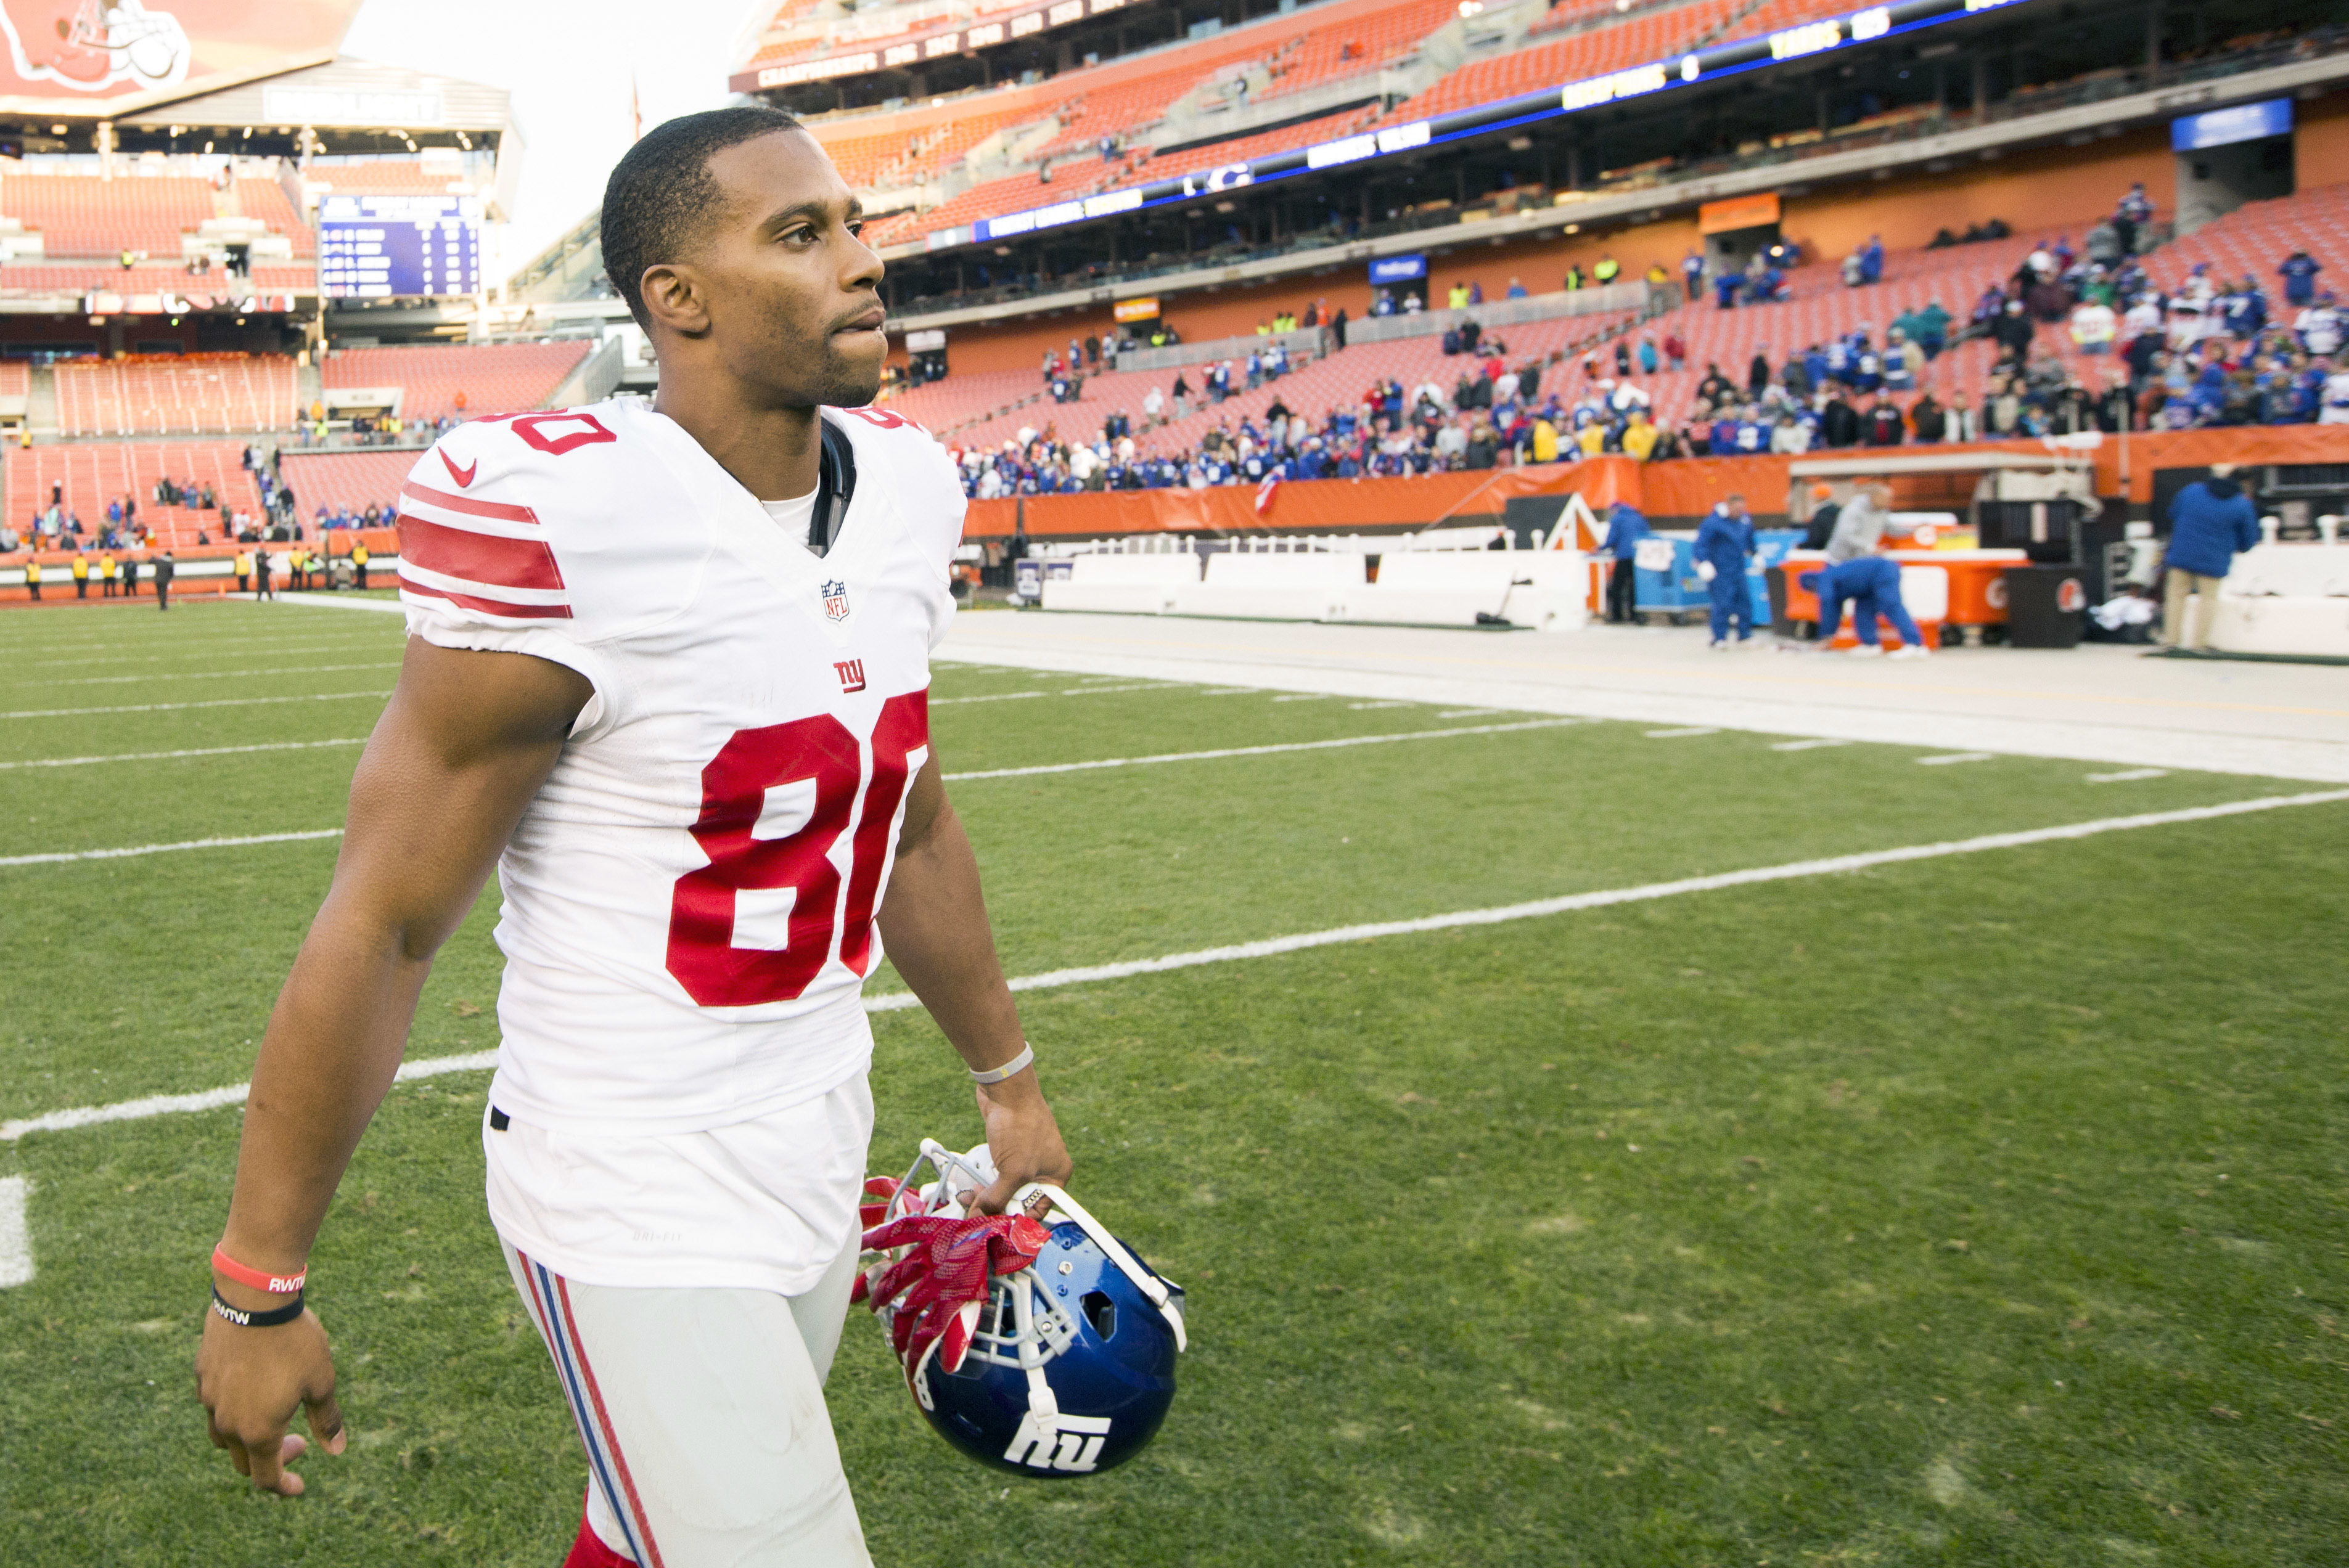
488	606
491	559
467	504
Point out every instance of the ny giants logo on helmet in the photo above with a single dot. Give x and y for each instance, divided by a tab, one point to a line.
1035	1342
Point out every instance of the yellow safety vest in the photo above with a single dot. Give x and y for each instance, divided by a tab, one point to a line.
358	555
32	572
80	570
105	566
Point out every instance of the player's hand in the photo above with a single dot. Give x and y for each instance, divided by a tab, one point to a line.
1022	1138
251	1380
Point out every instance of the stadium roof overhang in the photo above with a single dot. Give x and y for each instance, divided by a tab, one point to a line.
348	106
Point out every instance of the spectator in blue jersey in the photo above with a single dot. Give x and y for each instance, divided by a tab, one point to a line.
1725	288
1871	261
2299	271
1724	543
1625	529
2210	521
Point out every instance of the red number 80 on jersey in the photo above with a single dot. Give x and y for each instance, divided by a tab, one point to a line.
755	925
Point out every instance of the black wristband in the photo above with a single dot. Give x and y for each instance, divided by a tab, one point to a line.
243	1319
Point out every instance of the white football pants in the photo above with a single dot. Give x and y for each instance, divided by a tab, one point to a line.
703	1416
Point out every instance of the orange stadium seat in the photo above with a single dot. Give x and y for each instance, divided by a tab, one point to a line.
16	378
159	395
91	473
339	479
495	377
943	406
1357	44
82	215
265	199
379	177
1640	37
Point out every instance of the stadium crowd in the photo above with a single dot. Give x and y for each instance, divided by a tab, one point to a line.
2208	351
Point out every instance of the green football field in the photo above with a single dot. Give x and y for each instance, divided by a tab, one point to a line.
1984	1208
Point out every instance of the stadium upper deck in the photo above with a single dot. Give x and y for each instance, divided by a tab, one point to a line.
1265	146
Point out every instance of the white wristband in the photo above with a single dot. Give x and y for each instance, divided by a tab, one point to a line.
1017	1064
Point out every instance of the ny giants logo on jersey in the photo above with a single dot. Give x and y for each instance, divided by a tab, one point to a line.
835	601
851	675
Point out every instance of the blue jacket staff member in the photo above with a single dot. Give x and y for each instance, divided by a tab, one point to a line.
1625	529
1724	543
2209	520
1857	575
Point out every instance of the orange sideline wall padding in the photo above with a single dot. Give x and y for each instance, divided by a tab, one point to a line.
1683	489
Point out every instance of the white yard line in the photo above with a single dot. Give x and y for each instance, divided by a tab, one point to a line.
1259	750
331	602
191	751
189	649
1071	691
16	1233
1947	757
1687	734
897	1001
213	1099
181	707
55	857
1807	745
2128	776
220	675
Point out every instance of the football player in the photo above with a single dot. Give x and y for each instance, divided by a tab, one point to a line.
667	672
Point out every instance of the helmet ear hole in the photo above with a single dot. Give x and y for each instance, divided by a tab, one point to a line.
1102	1312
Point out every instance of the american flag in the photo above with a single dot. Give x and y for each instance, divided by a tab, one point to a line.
1263	493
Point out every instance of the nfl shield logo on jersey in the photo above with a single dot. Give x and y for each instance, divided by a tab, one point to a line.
835	601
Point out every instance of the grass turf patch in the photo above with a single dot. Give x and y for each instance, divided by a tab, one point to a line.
1799	1223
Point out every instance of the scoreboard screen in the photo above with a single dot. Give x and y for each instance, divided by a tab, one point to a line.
390	247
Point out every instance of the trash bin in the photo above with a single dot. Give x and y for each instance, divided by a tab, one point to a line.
2046	606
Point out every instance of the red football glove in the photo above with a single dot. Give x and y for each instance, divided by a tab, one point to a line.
939	1286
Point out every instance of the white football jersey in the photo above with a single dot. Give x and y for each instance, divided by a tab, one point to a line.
690	901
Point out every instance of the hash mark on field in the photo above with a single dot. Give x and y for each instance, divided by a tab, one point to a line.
897	1001
1259	750
16	1233
1304	697
1805	745
2129	776
56	856
193	751
1949	756
1680	733
178	707
1469	712
1233	691
1364	706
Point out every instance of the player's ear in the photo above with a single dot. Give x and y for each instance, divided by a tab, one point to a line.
674	298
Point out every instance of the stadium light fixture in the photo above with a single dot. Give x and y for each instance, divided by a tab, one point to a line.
59	130
208	146
246	133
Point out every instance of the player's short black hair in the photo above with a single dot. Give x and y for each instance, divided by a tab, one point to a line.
661	193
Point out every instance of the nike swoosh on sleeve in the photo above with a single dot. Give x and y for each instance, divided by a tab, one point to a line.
464	476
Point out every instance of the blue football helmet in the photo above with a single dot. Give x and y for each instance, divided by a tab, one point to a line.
1071	1368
